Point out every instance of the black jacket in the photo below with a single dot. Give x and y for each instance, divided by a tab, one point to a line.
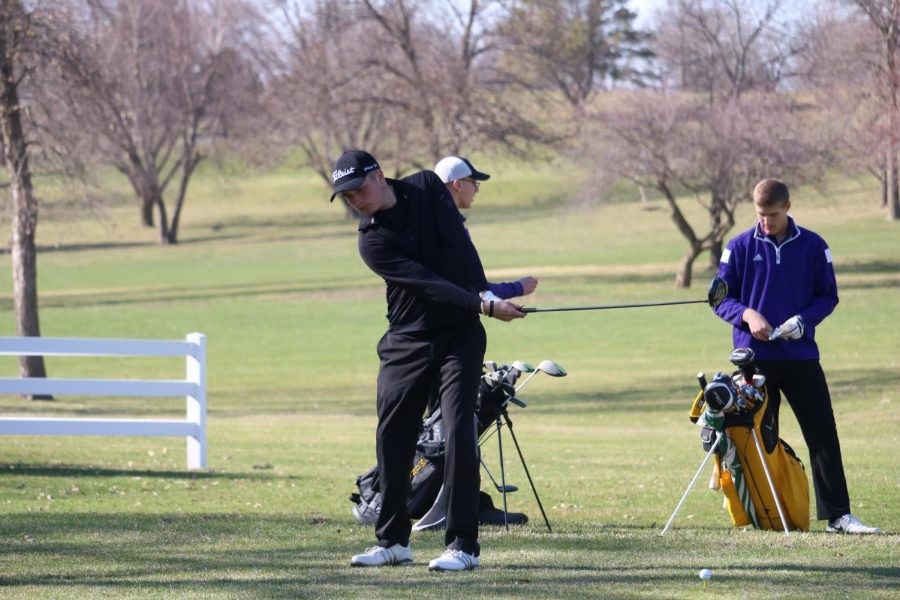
422	250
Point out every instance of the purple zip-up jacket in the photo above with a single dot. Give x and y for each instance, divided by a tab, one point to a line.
779	281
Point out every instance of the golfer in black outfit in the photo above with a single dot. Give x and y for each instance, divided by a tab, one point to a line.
411	235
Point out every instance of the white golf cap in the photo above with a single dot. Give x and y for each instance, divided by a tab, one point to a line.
452	168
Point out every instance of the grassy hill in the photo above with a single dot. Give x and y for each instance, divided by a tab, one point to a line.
269	271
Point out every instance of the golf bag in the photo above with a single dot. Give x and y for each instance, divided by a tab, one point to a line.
733	409
427	471
425	476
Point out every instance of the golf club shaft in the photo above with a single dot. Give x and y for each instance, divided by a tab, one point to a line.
486	470
610	306
527	379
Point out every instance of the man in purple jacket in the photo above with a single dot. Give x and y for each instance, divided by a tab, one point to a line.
463	181
780	273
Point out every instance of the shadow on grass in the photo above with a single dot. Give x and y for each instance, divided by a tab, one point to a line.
43	470
889	267
294	555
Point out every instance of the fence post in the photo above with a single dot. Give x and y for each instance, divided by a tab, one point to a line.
196	404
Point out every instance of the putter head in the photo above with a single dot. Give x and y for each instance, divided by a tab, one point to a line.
522	367
717	291
551	368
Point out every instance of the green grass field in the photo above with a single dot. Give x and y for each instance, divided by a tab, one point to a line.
269	271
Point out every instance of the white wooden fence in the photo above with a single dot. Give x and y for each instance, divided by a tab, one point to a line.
193	387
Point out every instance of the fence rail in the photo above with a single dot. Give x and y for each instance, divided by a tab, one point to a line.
192	387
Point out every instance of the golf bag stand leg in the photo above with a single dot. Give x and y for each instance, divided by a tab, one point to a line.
512	434
502	473
762	459
693	481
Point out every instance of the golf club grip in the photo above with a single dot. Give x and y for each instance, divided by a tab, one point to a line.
608	306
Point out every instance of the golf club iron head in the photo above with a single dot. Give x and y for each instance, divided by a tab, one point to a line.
490	366
717	291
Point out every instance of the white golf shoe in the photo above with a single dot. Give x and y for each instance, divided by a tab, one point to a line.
849	524
379	556
454	560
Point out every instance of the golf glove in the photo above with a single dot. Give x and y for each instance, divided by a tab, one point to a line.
489	295
792	329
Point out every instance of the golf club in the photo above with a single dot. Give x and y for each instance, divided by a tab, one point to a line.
545	366
508	488
522	367
490	366
714	297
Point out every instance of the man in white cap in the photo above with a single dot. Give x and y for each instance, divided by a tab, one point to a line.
463	181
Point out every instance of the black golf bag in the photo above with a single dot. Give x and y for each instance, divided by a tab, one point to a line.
425	476
427	471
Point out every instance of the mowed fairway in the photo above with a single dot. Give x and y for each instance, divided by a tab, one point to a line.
269	271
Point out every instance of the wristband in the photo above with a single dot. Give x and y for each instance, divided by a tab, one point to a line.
491	309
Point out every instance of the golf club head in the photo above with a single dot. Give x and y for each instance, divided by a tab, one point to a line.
522	367
490	365
743	359
718	289
551	368
509	374
508	488
508	388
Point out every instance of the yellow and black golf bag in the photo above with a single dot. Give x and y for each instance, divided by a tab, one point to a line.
763	481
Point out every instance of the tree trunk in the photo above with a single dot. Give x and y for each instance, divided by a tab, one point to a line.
152	200
163	220
715	255
686	269
190	164
25	209
147	206
893	206
892	184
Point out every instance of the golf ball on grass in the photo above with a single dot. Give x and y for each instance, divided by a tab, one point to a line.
705	574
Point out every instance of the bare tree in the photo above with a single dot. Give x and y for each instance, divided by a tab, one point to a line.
715	139
723	48
884	15
150	84
841	71
16	33
574	47
409	80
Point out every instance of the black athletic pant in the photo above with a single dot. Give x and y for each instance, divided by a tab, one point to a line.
413	365
803	384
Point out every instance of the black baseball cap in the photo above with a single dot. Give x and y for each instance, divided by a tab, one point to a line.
350	171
